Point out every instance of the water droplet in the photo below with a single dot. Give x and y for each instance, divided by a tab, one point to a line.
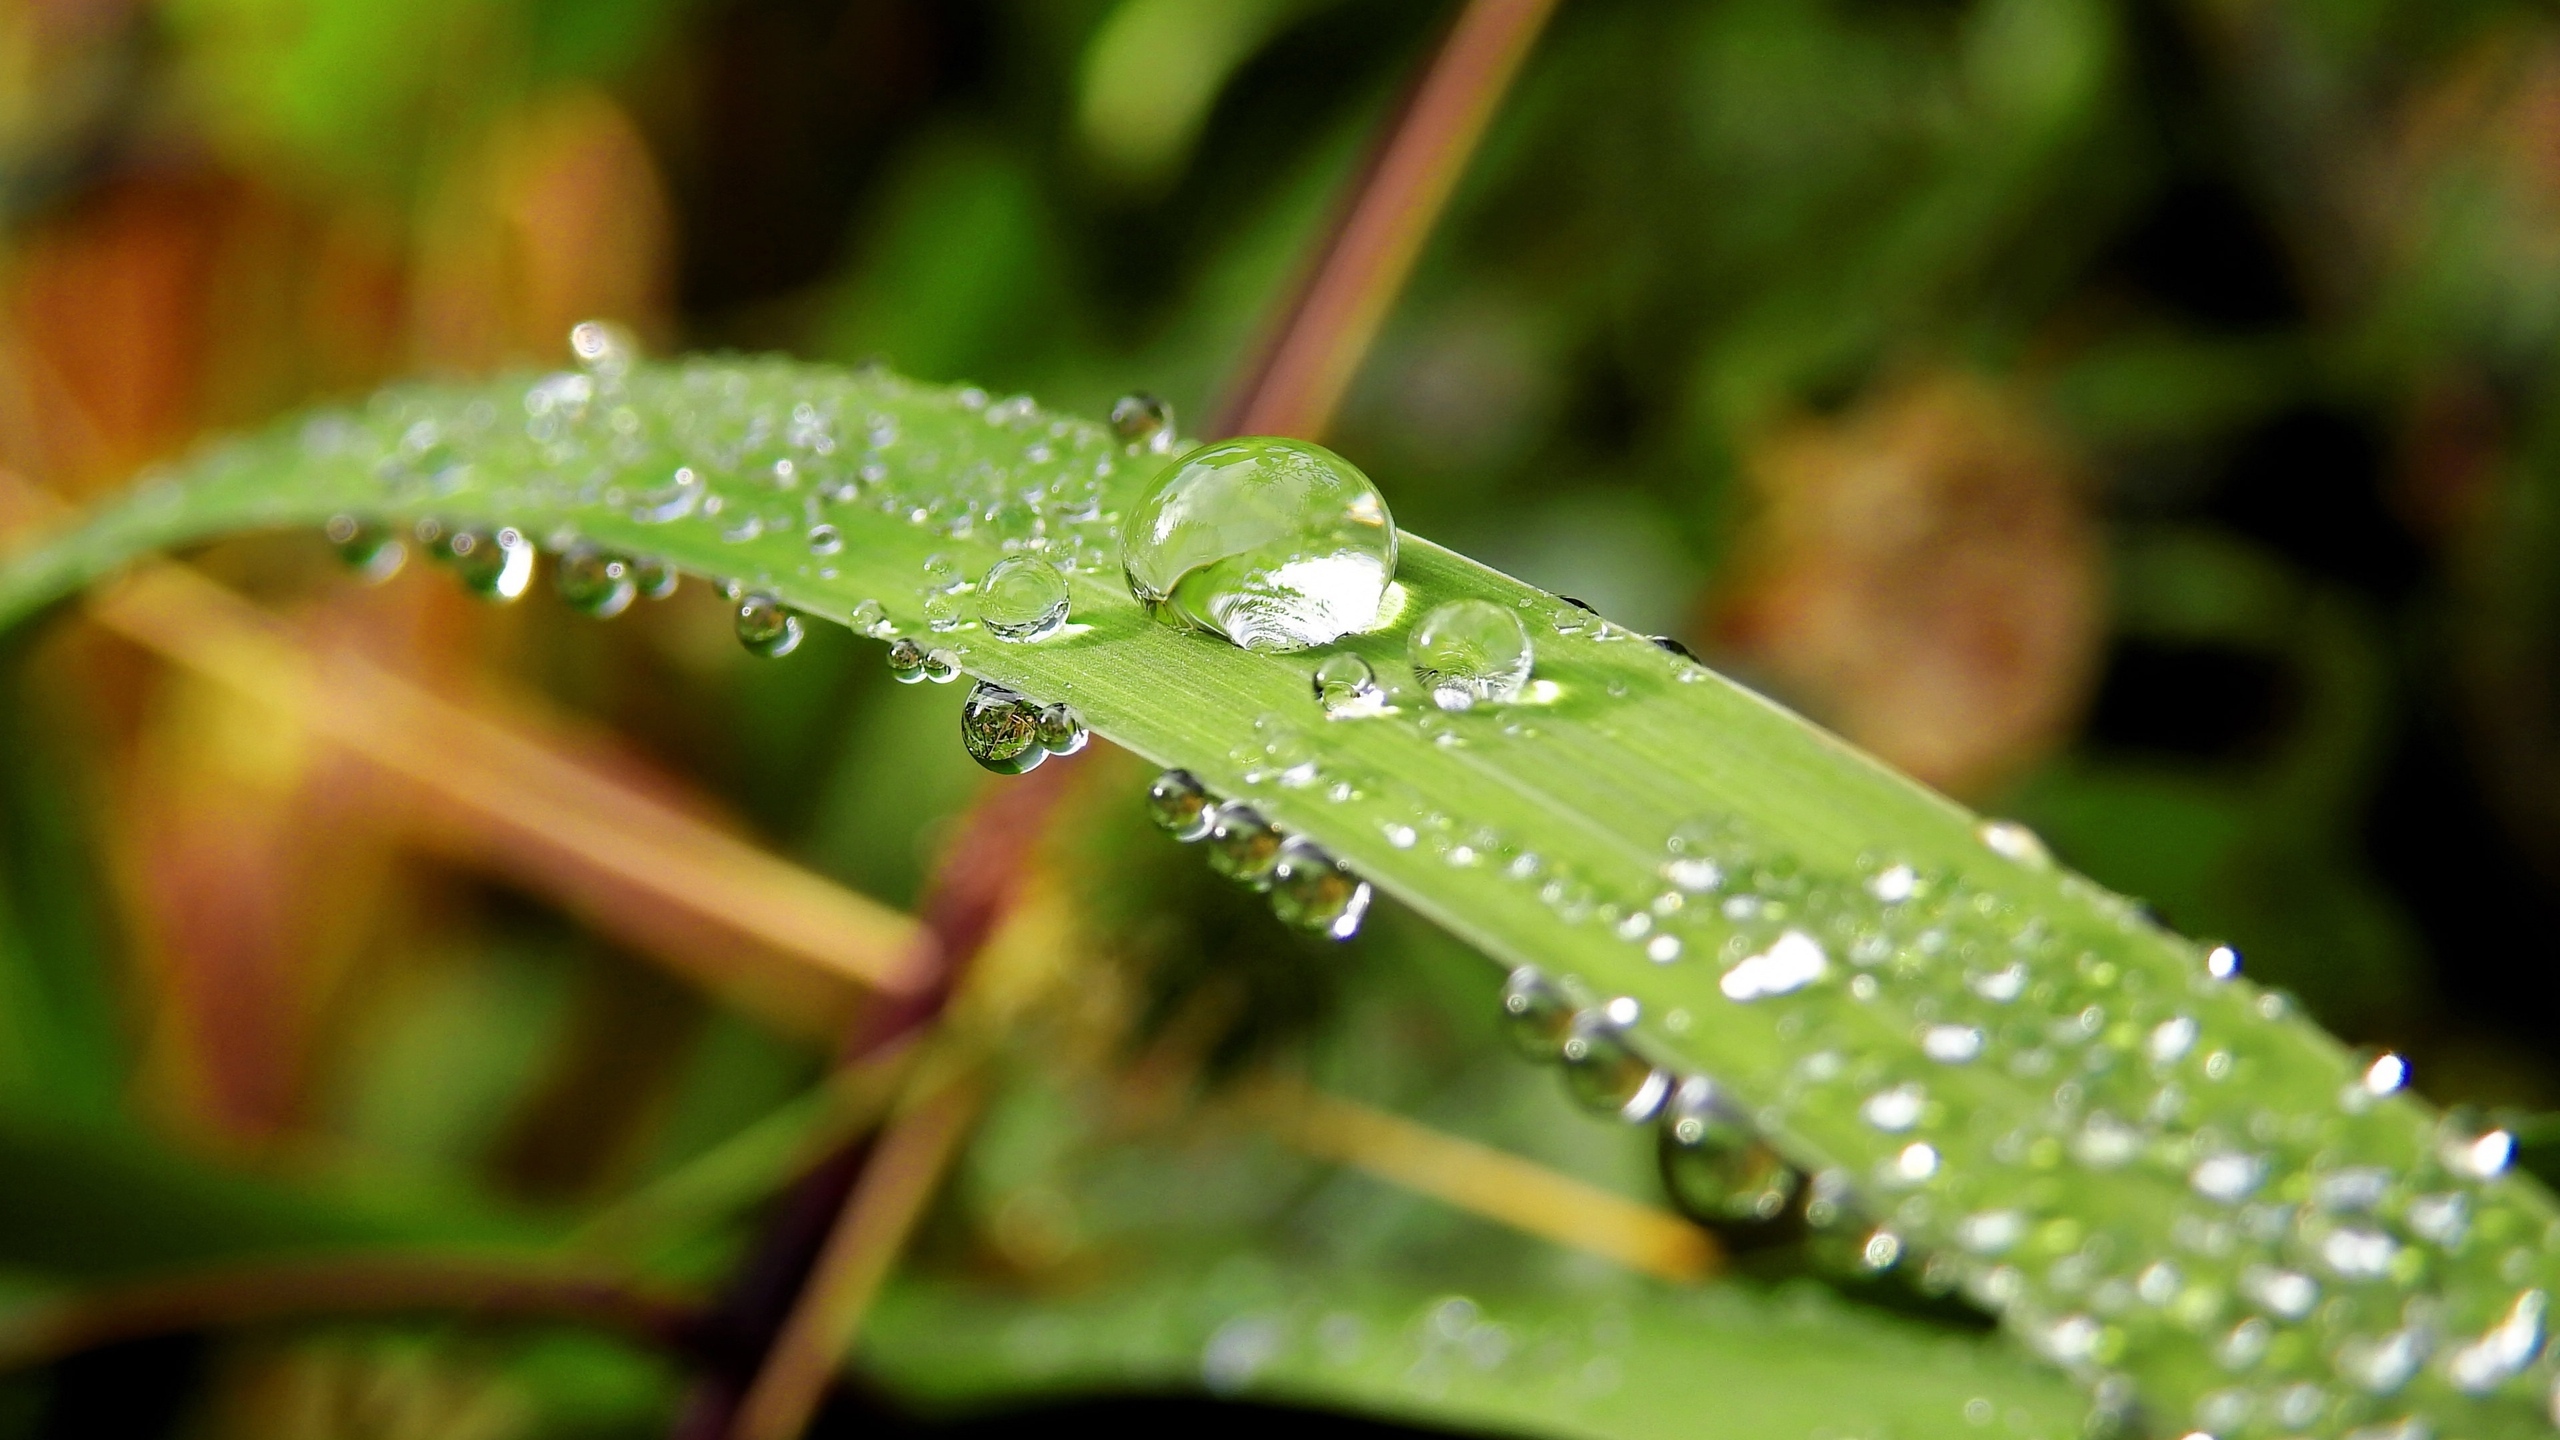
1001	729
2013	841
2172	1038
606	350
596	582
1313	891
1896	1110
656	578
825	540
2500	1354
906	662
2230	1177
1274	544
1674	646
2385	1075
1140	419
1179	805
681	496
1916	1162
1602	1067
1535	1012
494	564
767	627
2442	1218
1991	1232
1062	730
2382	1364
372	551
1242	845
1347	689
2481	1157
1792	961
1951	1044
1022	598
941	666
2222	962
1470	651
2356	1252
1714	1168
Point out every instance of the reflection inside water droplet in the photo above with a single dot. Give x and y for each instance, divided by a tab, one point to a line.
596	582
1313	891
1140	420
1274	544
1179	805
767	627
1347	689
1001	729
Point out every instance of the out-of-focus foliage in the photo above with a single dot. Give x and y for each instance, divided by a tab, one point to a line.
2139	415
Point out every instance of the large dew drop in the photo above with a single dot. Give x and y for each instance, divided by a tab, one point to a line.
1469	652
1022	598
1274	544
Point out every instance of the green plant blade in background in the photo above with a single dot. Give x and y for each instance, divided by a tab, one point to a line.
2167	1182
1703	1365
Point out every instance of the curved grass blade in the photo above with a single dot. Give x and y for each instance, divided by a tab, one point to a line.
2164	1180
1644	1362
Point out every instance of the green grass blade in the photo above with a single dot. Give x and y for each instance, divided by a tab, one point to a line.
1720	1364
2170	1185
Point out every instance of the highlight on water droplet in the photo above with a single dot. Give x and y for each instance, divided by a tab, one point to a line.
2013	841
1022	598
1001	729
1792	961
2222	962
1274	544
1470	652
2386	1075
1715	1169
1347	689
604	348
1142	421
495	565
767	627
1179	805
595	582
1313	891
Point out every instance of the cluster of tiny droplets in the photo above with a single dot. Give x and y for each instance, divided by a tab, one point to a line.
1308	888
752	450
2320	1273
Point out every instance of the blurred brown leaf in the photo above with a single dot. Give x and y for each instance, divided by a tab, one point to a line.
1921	574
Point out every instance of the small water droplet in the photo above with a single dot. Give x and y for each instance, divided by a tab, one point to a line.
1313	891
1951	1044
1022	598
656	578
681	496
1714	1168
825	540
1140	420
2013	841
1179	805
906	662
1673	645
1535	1013
1242	845
870	618
372	551
495	565
1792	961
1274	544
1062	730
941	666
1001	729
1603	1069
767	627
605	349
1469	652
595	582
2222	962
1347	689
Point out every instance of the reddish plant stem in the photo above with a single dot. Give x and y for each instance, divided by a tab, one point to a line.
1298	381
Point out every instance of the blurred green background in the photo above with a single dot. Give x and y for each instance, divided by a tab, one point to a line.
2134	416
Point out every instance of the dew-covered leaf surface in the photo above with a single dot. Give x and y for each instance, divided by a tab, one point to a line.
2168	1184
